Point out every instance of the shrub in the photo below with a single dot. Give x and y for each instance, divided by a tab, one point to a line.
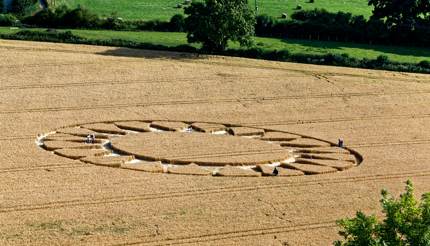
43	18
113	22
264	25
22	7
80	17
177	23
66	36
153	25
7	20
424	64
406	223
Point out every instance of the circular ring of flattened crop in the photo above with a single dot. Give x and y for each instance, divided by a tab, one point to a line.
198	148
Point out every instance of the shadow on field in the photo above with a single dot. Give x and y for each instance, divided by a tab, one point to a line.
148	54
339	47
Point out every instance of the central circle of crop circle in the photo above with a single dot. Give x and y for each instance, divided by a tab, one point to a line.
199	148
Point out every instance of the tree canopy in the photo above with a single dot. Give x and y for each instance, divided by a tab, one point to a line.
401	13
406	222
215	22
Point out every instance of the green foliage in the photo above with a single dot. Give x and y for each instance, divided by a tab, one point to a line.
401	13
215	22
359	231
177	23
80	17
407	222
424	64
177	42
22	7
165	9
7	20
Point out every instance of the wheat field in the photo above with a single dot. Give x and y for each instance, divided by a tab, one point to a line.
383	117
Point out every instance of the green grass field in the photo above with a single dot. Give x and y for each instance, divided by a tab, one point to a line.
164	9
395	53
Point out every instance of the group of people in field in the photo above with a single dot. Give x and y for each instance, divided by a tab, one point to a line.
90	139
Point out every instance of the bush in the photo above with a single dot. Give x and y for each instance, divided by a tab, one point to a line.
177	23
8	20
66	36
22	7
44	18
264	25
406	223
424	64
80	17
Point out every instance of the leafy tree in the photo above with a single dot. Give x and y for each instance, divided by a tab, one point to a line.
401	13
406	223
215	22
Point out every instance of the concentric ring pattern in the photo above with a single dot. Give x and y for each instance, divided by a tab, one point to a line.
198	148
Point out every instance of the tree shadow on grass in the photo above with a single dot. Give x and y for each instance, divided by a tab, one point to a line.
339	47
149	54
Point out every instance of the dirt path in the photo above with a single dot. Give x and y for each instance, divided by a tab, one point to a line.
48	199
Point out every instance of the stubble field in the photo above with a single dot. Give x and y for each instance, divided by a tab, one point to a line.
383	117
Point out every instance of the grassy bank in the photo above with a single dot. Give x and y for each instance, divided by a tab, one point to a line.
359	51
164	9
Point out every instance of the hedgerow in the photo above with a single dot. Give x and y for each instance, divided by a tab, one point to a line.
381	62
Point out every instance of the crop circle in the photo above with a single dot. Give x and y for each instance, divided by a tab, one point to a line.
198	148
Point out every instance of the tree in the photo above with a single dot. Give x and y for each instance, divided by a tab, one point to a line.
406	223
215	22
402	14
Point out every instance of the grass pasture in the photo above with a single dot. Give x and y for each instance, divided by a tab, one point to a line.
164	9
360	51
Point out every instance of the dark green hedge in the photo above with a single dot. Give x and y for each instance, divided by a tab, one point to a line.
80	17
7	20
319	24
382	62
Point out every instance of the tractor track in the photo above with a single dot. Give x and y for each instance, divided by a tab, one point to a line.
212	237
191	102
203	192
